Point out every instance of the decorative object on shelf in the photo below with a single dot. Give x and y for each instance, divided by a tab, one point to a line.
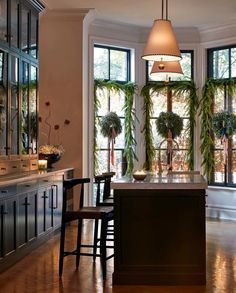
111	128
161	43
51	153
169	125
42	164
224	126
139	175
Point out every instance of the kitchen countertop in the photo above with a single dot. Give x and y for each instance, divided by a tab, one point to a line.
169	181
31	175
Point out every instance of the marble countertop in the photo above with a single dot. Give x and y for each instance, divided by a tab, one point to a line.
31	175
172	181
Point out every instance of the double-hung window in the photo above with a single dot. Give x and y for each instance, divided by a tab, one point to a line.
222	67
111	64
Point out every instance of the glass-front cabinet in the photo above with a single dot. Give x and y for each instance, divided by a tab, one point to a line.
18	82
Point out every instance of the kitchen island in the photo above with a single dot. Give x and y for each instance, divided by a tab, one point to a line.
160	230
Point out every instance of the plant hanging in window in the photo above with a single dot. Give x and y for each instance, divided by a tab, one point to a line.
169	126
224	126
111	128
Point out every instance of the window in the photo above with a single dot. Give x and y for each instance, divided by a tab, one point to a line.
164	101
222	66
111	64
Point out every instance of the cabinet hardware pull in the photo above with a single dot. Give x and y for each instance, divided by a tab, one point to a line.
24	165
27	185
44	196
4	191
4	213
34	164
14	167
3	168
45	180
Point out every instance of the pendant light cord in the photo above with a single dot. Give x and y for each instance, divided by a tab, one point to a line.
162	9
166	9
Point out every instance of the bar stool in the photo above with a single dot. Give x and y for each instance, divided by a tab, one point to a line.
105	214
103	199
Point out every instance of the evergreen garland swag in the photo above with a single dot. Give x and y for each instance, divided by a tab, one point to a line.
109	121
169	121
224	123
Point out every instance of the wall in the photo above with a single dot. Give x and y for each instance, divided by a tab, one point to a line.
61	82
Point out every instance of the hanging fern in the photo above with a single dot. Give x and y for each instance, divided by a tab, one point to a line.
130	143
130	117
207	106
188	88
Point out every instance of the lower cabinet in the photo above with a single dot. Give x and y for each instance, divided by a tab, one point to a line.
27	219
29	212
8	226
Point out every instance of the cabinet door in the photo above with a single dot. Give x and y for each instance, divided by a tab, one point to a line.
41	211
2	211
10	225
14	23
3	21
3	103
24	29
22	220
34	35
24	137
32	215
57	204
33	126
14	106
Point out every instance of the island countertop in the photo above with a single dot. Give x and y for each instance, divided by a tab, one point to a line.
169	181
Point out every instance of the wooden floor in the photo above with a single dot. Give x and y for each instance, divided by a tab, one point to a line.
38	272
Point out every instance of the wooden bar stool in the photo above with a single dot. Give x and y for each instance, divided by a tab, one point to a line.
105	214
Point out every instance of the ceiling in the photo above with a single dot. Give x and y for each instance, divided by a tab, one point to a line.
182	13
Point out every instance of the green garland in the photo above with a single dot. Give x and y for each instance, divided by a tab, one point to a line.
206	111
224	123
187	88
109	121
169	121
130	143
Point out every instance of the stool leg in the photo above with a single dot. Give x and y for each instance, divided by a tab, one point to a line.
103	248
95	239
79	233
62	244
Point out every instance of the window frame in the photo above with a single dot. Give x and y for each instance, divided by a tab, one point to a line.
227	100
128	62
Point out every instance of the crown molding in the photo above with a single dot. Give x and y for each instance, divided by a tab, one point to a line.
66	14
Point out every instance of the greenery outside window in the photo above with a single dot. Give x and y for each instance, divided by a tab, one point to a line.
111	64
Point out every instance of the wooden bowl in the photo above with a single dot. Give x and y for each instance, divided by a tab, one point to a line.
139	177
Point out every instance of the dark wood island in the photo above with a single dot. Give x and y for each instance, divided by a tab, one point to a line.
160	230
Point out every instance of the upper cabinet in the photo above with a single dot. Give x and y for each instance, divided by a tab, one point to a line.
18	79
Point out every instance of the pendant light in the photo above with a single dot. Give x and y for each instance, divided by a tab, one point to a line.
161	43
166	68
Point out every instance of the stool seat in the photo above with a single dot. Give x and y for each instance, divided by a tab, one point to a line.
90	213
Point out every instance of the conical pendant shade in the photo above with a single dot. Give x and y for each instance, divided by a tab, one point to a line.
162	44
171	68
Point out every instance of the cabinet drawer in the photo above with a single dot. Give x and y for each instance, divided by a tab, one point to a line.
45	181
33	165
14	167
8	190
25	165
27	186
3	168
